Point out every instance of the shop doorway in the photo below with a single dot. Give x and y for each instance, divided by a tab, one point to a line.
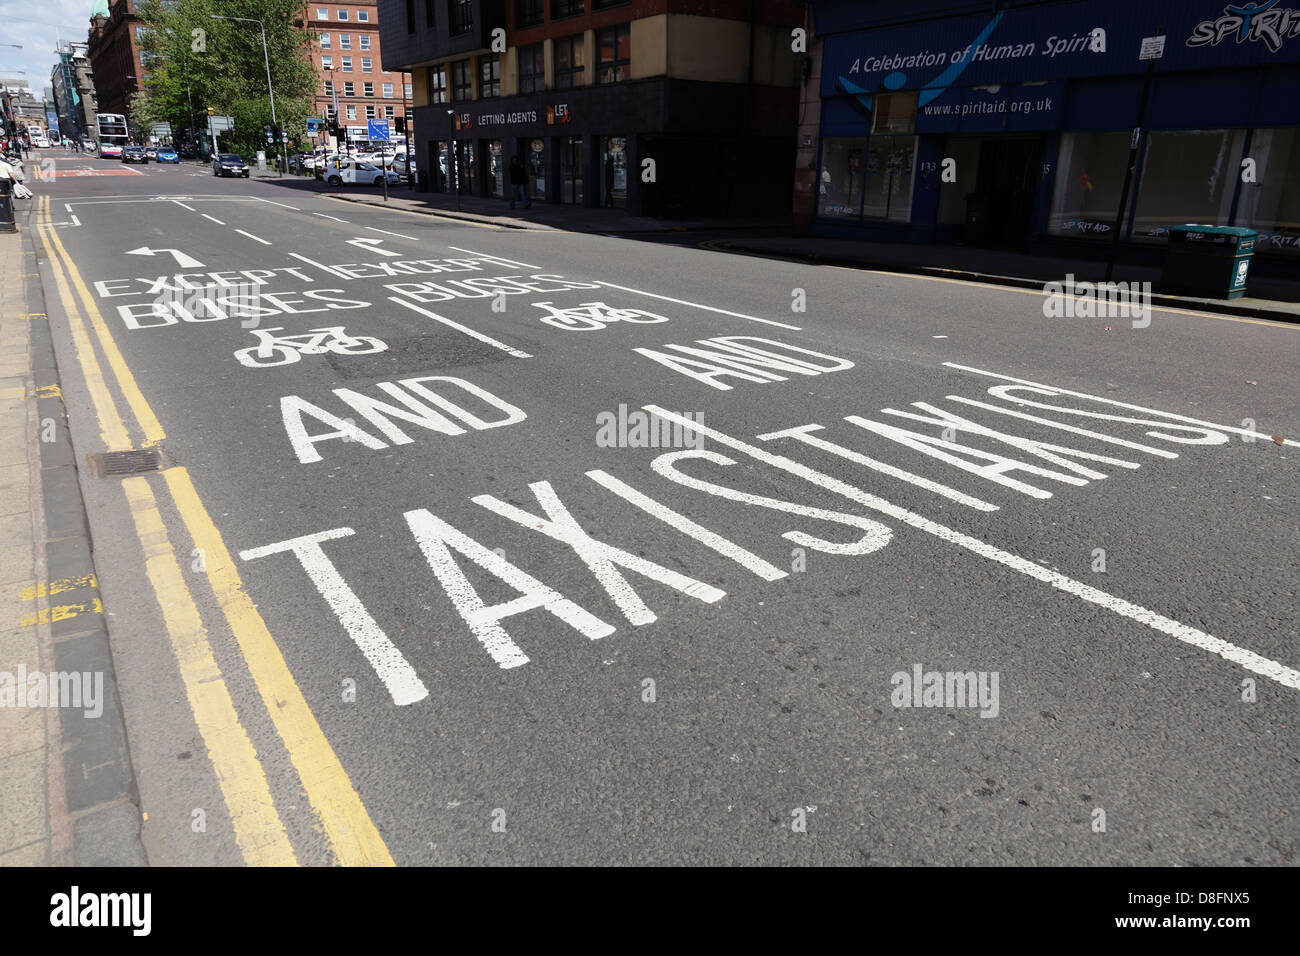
1000	210
496	172
533	154
571	170
613	160
466	173
439	162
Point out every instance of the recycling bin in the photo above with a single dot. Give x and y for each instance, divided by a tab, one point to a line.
1210	261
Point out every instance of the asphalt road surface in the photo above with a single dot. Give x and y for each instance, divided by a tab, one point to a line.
543	547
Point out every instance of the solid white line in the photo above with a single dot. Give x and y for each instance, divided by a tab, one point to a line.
217	221
67	206
517	353
75	220
319	265
253	237
323	216
484	255
1110	401
696	305
183	206
274	203
1287	676
397	234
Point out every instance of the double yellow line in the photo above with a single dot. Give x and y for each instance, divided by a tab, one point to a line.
259	831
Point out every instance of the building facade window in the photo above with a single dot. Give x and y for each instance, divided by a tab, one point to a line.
1089	171
347	64
343	14
566	8
370	112
867	177
324	41
460	16
1187	176
364	40
327	63
568	62
349	88
489	75
532	68
351	112
428	13
604	4
367	65
363	16
388	112
613	54
388	91
408	90
322	14
529	13
367	89
345	41
438	84
410	16
462	81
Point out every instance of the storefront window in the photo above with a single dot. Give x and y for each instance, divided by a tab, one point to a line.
1271	204
536	162
887	185
496	170
614	168
840	183
1089	178
1188	176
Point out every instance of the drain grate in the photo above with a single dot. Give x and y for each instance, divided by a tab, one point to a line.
124	464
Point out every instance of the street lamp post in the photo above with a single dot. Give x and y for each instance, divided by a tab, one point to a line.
455	164
266	56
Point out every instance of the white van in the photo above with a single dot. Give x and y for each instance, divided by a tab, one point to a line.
39	138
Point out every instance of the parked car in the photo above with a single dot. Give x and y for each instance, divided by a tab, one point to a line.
352	171
151	152
166	154
135	154
229	164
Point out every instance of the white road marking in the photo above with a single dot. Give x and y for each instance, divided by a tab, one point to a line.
213	218
484	255
601	558
800	432
696	305
274	203
182	205
319	265
397	234
436	538
472	333
335	218
182	260
371	245
1110	401
389	663
1251	661
253	237
728	549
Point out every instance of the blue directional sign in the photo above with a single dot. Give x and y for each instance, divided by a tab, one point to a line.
378	131
314	125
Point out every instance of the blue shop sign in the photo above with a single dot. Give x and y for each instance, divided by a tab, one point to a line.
1074	39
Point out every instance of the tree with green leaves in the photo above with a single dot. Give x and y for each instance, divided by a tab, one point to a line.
192	59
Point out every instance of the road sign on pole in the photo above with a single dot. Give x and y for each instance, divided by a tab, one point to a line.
378	131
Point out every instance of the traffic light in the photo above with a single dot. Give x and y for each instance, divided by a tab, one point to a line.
277	133
270	133
400	124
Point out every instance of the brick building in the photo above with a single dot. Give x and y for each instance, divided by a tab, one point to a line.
346	56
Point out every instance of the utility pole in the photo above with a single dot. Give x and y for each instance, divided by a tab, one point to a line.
267	57
1152	50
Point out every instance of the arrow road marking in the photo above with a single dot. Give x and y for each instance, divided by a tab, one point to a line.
372	245
182	260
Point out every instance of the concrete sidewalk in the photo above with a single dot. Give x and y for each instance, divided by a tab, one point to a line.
67	794
1270	297
542	215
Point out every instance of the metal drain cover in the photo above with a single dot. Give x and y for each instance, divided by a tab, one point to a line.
124	464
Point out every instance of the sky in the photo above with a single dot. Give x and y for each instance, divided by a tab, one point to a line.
39	27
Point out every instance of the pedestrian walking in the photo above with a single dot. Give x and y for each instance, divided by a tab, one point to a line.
519	183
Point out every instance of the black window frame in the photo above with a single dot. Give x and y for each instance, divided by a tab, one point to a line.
489	75
460	17
616	65
458	88
439	92
533	81
428	13
529	13
564	76
563	9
